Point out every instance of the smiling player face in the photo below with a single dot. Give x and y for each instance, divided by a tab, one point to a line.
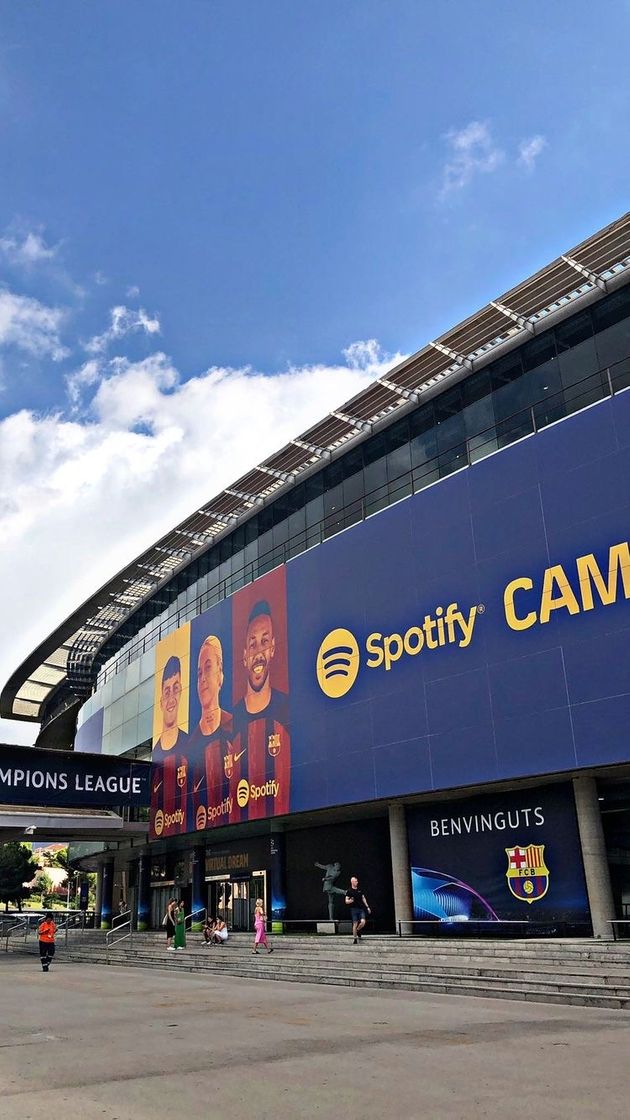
169	700
209	677
259	651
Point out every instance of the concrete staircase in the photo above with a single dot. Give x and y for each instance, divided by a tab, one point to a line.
588	973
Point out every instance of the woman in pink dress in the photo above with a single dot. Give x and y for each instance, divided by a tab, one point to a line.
260	925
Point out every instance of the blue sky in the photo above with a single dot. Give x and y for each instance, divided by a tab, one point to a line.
248	189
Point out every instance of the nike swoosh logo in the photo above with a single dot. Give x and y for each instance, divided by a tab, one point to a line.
237	756
156	788
197	784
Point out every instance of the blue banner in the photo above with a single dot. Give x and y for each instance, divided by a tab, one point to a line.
29	776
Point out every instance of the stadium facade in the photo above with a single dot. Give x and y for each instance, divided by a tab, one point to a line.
398	648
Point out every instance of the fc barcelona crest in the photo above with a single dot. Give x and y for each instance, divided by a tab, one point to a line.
181	775
228	764
274	744
527	873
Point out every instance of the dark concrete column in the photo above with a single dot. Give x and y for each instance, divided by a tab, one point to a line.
596	870
401	872
199	893
143	893
107	890
99	895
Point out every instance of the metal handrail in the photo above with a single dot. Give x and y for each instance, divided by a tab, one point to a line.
614	922
127	924
468	922
21	924
201	910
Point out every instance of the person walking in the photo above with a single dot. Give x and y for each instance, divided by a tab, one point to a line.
260	925
168	922
359	908
180	926
46	932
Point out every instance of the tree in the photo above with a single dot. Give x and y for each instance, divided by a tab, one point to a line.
17	867
45	888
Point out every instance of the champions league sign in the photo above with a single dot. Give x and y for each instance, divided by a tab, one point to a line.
29	776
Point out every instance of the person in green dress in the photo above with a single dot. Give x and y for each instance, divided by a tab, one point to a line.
180	927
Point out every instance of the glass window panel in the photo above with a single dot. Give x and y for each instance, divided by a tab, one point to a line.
353	488
296	544
375	476
448	404
612	309
133	674
515	427
481	445
145	695
539	350
314	486
452	460
573	331
512	399
118	686
506	369
451	432
425	474
145	725
280	532
129	736
130	705
476	388
478	416
400	487
374	449
398	434
251	529
578	363
620	375
613	344
333	474
423	447
333	500
353	513
399	463
421	421
115	740
352	462
314	511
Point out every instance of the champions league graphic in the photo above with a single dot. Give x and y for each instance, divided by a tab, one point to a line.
511	857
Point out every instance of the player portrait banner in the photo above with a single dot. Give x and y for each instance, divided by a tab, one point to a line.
221	735
30	776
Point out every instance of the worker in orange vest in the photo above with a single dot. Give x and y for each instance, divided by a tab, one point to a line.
47	930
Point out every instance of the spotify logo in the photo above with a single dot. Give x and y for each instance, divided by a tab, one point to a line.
158	823
337	663
201	818
242	793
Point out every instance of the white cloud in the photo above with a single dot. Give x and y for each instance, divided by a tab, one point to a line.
529	150
124	321
132	292
473	151
28	250
89	493
364	354
82	378
31	326
100	278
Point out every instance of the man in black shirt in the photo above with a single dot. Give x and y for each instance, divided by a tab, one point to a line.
359	908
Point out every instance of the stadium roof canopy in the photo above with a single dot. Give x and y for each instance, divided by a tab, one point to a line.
588	271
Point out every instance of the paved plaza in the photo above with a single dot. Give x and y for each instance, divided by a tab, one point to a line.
120	1043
